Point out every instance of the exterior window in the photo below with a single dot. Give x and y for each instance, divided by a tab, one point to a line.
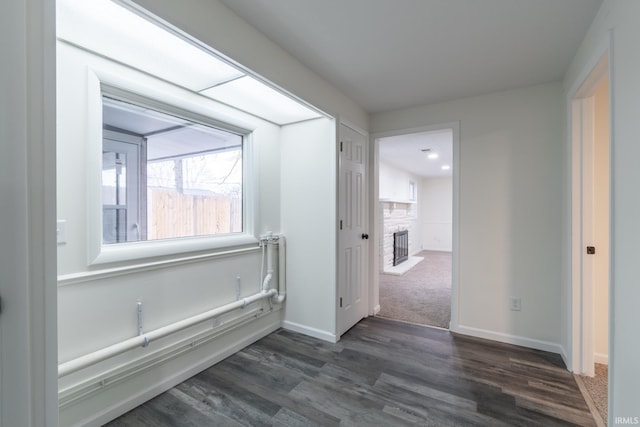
412	191
165	176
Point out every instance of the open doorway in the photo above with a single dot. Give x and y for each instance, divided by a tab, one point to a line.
591	226
415	189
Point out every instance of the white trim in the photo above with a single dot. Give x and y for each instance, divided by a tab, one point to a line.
579	114
510	339
353	127
171	380
89	276
374	221
312	332
168	96
455	251
28	323
587	140
604	47
601	358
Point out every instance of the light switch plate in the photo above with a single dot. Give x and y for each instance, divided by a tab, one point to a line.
61	231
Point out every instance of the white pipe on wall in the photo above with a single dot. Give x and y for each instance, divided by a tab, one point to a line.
141	340
282	268
267	279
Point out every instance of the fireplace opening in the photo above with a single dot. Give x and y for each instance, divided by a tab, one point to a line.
400	246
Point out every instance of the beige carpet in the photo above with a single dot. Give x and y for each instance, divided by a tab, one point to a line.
597	388
422	295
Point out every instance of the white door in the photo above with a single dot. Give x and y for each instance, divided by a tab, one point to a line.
353	239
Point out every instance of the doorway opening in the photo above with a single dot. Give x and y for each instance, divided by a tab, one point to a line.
591	225
415	208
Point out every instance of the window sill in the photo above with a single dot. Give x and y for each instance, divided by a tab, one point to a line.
88	276
159	248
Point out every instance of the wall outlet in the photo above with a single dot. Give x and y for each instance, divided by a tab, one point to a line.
515	303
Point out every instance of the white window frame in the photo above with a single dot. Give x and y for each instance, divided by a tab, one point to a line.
132	146
101	82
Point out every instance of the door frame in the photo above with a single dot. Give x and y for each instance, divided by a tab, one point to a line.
28	283
374	288
580	114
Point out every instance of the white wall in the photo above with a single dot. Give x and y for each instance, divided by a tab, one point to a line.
510	205
394	182
620	16
601	219
436	213
97	304
308	206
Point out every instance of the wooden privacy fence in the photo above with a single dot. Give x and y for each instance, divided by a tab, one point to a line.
172	214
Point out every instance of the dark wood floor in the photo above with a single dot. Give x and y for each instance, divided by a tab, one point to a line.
381	373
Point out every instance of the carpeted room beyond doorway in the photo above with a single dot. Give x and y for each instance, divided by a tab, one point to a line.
422	295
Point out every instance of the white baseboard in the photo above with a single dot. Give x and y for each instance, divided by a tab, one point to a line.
312	332
376	309
565	359
601	358
179	373
510	339
447	250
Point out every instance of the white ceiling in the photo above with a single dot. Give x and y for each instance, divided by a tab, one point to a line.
405	152
390	54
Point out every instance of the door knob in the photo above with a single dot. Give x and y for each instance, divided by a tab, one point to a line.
365	236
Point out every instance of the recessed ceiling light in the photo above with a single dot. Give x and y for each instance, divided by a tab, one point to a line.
446	167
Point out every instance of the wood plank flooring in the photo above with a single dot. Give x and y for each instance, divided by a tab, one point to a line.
381	373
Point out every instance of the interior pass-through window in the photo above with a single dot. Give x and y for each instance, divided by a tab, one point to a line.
165	176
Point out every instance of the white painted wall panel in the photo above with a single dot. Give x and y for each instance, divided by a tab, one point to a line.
308	212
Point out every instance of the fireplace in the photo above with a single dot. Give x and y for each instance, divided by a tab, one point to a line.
400	246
